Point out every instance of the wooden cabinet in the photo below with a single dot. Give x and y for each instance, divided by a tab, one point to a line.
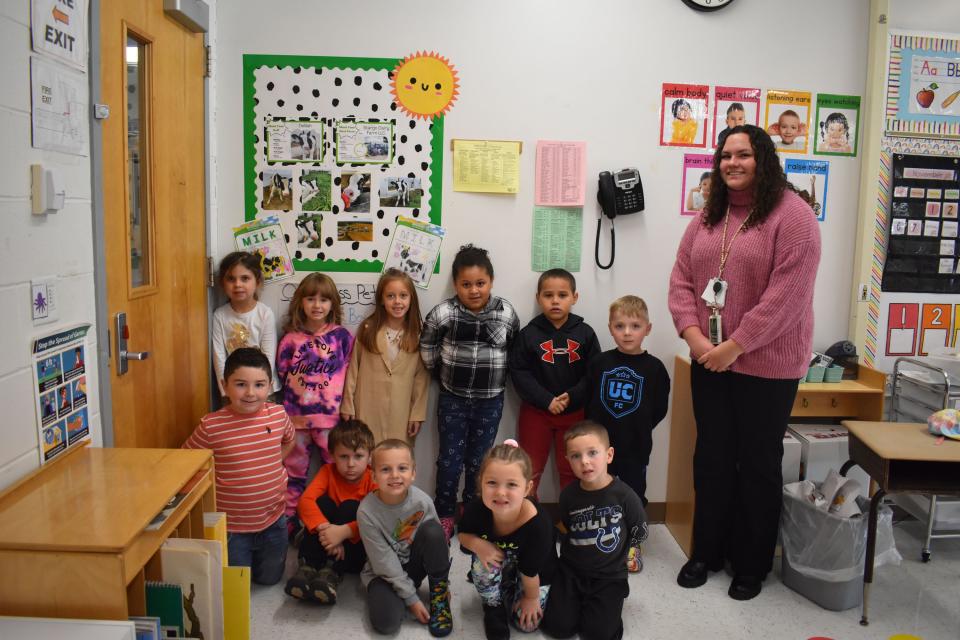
859	399
73	542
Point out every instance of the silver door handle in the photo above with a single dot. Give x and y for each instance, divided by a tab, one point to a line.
122	335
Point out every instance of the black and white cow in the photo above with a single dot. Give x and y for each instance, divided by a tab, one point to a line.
307	230
279	186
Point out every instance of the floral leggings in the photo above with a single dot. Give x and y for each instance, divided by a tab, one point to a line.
502	586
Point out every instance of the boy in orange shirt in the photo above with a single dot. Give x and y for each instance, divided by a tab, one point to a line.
331	542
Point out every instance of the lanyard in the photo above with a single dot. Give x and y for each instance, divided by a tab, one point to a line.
724	247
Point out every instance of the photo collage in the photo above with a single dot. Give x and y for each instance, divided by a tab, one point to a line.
338	178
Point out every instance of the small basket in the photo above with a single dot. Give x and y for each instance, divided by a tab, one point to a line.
815	374
833	373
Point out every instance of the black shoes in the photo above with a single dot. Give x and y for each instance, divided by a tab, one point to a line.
496	622
744	587
693	574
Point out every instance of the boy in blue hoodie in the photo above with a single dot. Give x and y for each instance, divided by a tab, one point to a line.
548	363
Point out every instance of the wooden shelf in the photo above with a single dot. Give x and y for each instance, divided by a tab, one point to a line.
72	537
860	399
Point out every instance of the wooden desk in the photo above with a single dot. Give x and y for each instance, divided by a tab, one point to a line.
72	538
902	457
861	398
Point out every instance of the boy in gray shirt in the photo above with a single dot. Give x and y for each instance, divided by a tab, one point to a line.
404	543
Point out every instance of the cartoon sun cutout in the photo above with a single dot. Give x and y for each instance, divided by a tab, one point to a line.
425	85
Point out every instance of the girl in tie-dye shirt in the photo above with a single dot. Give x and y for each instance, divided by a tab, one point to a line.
312	364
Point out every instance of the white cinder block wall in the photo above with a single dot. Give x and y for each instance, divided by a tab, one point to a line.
59	245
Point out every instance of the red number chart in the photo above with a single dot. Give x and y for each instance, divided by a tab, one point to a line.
903	322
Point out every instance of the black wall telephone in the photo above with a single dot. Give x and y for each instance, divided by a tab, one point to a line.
618	194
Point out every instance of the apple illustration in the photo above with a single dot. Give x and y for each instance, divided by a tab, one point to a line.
925	96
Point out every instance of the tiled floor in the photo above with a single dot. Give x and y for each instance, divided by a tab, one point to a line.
922	600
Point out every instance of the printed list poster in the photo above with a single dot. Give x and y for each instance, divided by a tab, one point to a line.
557	233
560	170
486	166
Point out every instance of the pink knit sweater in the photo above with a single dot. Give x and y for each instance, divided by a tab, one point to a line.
770	274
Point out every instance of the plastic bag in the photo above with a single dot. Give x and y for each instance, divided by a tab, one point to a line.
828	547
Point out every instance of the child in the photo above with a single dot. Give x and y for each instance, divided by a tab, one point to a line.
510	539
328	509
684	124
404	543
835	134
249	438
697	198
603	518
386	382
465	342
243	321
548	363
628	392
788	132
736	115
312	363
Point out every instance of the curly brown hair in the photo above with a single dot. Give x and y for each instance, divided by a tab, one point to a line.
768	185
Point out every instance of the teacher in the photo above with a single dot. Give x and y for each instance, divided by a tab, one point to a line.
741	296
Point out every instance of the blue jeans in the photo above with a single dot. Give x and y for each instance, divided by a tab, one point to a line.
265	552
467	430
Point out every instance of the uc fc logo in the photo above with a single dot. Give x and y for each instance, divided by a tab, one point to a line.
620	391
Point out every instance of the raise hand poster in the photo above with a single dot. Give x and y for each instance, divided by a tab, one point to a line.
683	115
788	120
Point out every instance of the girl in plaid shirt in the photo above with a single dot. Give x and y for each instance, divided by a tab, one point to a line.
464	343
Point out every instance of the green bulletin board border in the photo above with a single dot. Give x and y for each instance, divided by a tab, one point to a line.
252	62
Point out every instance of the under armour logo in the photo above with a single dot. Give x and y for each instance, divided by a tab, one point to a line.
549	352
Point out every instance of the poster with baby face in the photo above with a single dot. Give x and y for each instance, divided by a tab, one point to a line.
697	168
733	106
683	115
836	126
788	120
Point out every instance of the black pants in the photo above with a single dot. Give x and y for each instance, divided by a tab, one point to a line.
632	473
590	606
737	472
429	556
313	553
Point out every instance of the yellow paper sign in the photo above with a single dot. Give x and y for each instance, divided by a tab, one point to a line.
486	166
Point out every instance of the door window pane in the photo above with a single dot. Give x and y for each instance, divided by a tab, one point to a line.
138	175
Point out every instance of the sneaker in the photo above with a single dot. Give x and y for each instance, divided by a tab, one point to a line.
447	523
635	560
495	622
298	585
323	587
441	616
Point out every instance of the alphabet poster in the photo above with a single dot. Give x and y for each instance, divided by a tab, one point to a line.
332	155
923	85
59	29
683	115
60	390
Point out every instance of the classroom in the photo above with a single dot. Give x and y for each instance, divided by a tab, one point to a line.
149	139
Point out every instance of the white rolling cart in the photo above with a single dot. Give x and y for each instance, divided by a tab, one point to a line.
920	389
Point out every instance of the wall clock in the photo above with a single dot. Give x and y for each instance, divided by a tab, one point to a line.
707	5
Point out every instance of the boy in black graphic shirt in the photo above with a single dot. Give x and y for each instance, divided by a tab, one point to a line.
548	364
603	518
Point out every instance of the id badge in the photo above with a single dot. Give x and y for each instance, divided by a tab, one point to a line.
715	328
715	293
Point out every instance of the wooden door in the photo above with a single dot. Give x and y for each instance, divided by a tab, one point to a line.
152	72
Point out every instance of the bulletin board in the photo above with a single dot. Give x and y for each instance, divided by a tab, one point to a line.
923	85
923	225
328	151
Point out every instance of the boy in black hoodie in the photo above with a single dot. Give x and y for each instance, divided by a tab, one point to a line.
548	363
